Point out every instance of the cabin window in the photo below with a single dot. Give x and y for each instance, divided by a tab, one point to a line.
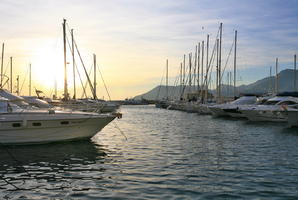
16	124
36	124
64	122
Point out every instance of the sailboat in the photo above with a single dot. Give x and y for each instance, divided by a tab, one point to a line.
22	125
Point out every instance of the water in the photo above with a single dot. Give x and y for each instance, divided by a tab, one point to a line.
168	155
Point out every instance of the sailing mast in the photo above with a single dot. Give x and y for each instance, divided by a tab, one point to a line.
167	89
199	51
195	68
73	66
94	81
10	74
202	70
181	79
30	79
167	79
183	70
276	76
217	74
219	61
189	82
18	85
295	58
65	64
55	95
270	81
2	58
235	50
207	68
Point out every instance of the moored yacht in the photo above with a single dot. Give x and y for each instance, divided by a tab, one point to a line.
231	109
22	126
272	110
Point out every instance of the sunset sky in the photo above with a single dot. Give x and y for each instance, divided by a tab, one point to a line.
132	38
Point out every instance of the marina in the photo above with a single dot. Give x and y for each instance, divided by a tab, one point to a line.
148	100
168	154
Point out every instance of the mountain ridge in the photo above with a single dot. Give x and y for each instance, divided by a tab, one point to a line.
265	85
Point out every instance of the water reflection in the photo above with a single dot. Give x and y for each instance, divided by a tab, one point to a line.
50	167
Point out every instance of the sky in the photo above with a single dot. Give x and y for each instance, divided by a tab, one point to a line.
133	38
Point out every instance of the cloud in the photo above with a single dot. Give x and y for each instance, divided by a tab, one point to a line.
133	38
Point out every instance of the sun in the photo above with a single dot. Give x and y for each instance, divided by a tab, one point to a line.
48	67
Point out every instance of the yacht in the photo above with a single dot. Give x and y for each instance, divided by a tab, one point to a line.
231	109
27	126
271	111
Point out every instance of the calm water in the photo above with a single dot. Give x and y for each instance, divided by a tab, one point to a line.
168	155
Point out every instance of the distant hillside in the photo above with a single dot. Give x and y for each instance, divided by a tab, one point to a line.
286	83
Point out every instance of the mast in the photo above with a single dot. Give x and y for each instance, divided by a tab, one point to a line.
219	61
167	89
207	68
181	79
10	74
235	51
189	56
183	70
276	76
231	81
228	83
217	74
202	70
295	59
195	67
94	81
55	89
199	51
73	66
30	79
18	85
270	81
65	64
2	58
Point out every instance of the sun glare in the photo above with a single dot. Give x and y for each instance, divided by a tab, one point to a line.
48	68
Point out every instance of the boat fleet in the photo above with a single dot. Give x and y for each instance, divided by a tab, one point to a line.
32	120
195	84
282	107
36	119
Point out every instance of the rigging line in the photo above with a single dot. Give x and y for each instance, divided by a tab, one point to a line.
104	83
184	86
227	59
115	124
6	67
173	92
17	161
24	81
157	96
212	58
117	127
86	83
82	84
85	70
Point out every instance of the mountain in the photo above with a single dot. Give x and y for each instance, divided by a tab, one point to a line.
265	85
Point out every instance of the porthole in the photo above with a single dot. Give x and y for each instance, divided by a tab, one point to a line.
36	124
16	124
64	122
